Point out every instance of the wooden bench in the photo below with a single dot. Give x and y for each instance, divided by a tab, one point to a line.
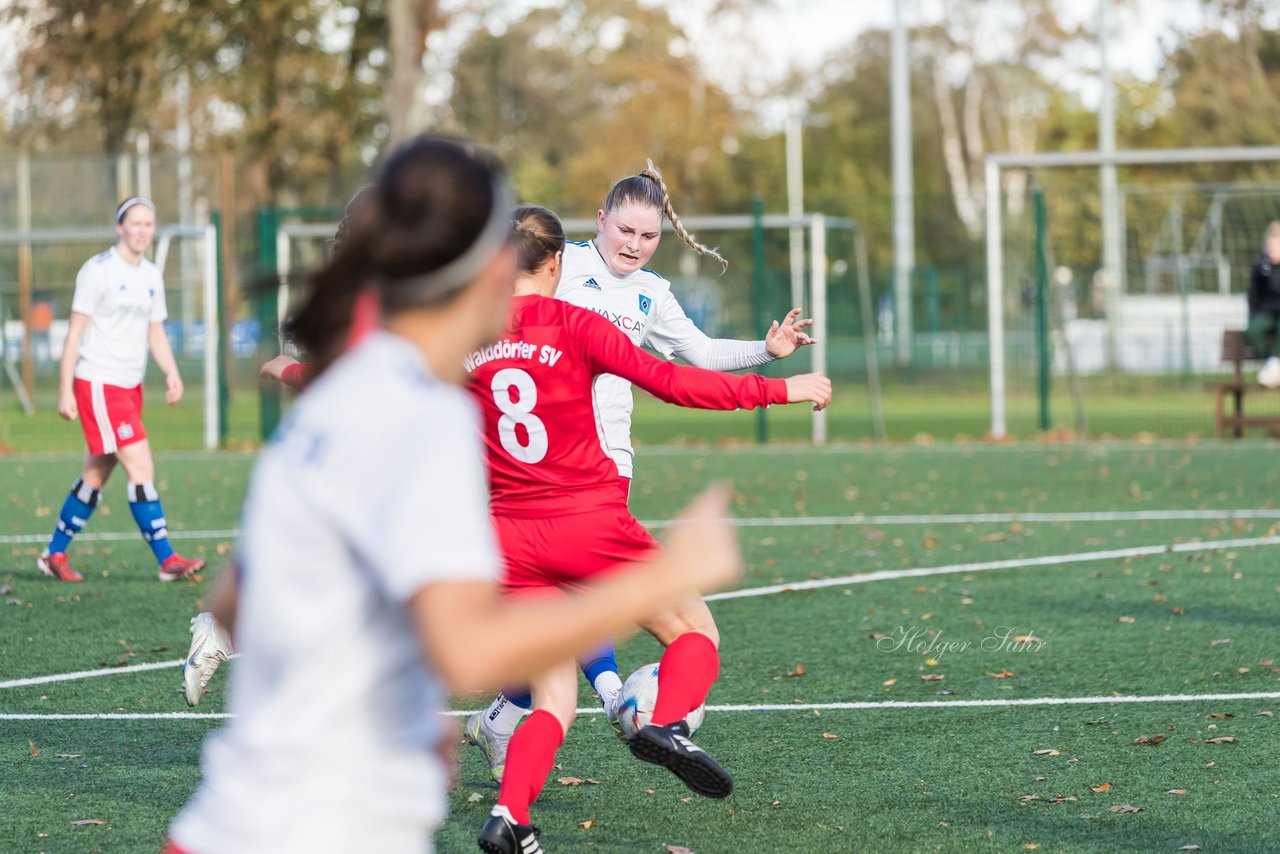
1237	351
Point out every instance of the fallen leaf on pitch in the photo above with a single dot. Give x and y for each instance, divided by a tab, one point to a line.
1219	716
576	781
1030	846
1222	739
1105	787
1003	674
1046	752
933	677
829	735
799	671
1061	799
690	800
1125	808
31	746
993	538
474	797
1176	792
68	755
1192	847
1126	619
1220	642
82	822
889	682
649	791
678	849
588	824
1026	798
1151	740
1265	714
1039	779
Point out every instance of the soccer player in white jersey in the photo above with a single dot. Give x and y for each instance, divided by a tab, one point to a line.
335	752
608	276
117	314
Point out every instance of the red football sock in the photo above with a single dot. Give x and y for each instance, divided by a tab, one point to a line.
685	675
529	760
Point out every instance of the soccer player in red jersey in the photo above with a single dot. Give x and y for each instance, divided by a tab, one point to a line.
560	511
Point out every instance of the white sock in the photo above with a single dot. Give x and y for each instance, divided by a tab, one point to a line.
608	685
503	716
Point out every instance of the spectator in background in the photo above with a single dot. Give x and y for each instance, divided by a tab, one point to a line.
1264	307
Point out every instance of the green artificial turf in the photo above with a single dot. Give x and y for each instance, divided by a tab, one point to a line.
946	777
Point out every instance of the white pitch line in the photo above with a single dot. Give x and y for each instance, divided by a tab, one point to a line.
804	522
864	578
869	705
982	566
120	536
89	674
991	518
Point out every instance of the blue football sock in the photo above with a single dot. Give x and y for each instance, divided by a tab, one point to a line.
144	503
519	697
75	513
601	670
602	660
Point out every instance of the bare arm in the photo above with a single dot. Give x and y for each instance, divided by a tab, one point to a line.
67	407
476	640
224	598
163	354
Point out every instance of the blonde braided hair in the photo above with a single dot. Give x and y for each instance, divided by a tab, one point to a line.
650	190
651	172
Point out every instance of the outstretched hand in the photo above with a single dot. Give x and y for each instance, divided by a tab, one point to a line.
811	387
785	338
274	369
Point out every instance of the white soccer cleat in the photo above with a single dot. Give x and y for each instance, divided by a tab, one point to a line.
1269	376
612	708
492	744
210	646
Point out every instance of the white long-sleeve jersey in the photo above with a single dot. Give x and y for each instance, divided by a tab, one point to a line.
642	306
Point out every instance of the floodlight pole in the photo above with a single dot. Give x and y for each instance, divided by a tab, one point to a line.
795	200
1113	274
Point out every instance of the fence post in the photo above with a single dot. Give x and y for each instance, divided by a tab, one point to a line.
224	332
269	394
758	284
1042	308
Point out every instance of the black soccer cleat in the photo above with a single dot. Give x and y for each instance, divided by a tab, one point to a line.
501	835
670	747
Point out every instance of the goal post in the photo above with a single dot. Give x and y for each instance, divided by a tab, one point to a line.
998	165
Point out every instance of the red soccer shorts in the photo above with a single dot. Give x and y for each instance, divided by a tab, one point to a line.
567	551
110	416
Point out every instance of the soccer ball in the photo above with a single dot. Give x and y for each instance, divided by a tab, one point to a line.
635	703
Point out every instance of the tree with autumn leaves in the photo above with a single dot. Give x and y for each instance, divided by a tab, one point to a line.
305	95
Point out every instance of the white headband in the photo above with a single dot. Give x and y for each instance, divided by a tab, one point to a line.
497	229
133	201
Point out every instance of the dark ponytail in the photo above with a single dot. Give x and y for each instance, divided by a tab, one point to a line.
438	212
537	235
